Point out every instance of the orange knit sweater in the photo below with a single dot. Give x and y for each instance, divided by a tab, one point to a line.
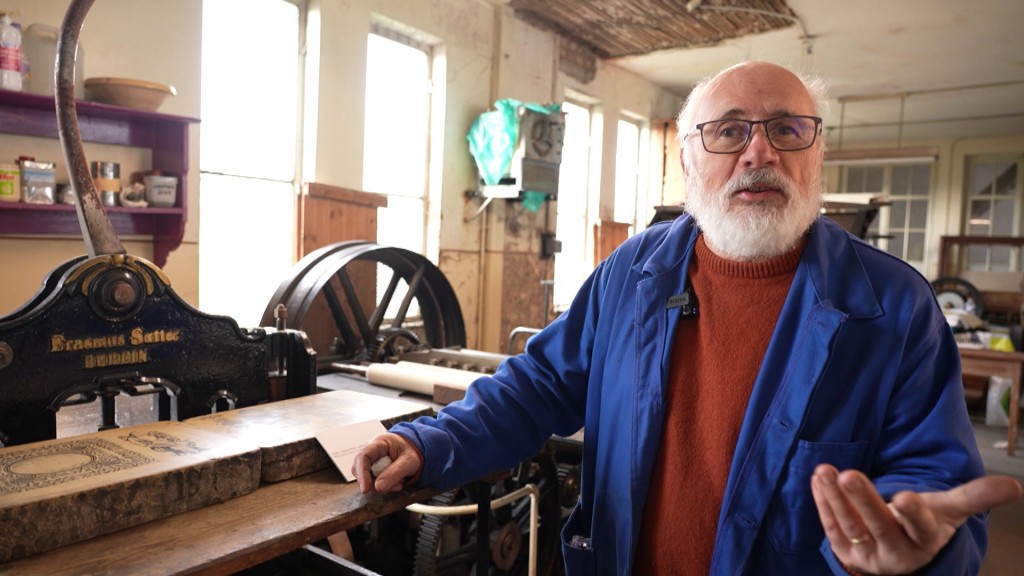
715	359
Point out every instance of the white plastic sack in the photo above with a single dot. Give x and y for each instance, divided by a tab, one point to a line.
997	408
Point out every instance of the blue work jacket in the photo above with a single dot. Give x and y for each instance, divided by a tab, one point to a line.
861	372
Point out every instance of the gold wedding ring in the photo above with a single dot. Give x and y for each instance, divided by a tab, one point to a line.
860	540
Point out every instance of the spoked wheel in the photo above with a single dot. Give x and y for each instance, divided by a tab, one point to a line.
447	545
360	302
957	293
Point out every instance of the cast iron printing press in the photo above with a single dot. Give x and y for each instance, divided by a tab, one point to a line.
108	326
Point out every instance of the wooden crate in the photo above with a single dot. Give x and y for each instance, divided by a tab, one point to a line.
62	491
285	430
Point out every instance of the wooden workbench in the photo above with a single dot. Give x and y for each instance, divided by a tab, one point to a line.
983	362
227	537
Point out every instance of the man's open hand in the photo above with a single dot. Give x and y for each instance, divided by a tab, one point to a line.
869	535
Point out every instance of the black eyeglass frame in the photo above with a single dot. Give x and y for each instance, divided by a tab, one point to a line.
699	128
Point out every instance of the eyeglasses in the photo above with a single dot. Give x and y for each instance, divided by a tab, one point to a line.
785	133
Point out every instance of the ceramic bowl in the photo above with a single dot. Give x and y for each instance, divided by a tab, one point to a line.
129	93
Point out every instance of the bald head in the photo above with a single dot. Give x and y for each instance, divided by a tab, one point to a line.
752	78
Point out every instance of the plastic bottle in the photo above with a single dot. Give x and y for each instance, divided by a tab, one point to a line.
39	45
26	64
10	55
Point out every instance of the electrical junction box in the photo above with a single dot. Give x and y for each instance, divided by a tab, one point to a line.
549	245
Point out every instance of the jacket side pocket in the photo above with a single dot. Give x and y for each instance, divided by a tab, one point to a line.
576	544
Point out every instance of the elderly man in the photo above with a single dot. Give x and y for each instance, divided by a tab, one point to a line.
727	366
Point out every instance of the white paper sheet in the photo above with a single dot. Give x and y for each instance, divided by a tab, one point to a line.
342	443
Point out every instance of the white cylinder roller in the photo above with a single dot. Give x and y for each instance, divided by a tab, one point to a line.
418	378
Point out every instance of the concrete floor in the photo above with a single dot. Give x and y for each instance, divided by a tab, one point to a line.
1006	524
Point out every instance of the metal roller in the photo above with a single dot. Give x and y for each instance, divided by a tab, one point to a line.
418	378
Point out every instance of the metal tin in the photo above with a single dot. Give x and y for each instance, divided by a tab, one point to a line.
37	193
65	194
108	197
107	184
101	169
10	182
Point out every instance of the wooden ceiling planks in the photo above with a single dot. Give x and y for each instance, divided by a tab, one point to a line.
616	28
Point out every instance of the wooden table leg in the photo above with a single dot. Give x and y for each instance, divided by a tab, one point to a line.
1013	409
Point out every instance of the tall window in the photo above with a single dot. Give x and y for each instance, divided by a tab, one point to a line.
865	180
574	220
248	154
901	225
632	152
907	218
396	144
993	209
627	172
396	136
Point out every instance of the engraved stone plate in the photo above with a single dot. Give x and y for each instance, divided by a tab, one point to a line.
58	492
285	430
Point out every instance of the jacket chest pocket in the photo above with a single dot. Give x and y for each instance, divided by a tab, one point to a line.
793	524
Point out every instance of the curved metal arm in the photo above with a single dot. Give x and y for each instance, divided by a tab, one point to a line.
97	231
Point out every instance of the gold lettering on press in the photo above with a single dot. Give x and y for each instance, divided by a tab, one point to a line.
132	348
140	336
137	337
103	360
58	343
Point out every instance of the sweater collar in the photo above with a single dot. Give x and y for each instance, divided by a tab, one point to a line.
777	266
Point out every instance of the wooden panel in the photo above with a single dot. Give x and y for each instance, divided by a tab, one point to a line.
607	237
673	189
63	491
285	430
329	214
1008	304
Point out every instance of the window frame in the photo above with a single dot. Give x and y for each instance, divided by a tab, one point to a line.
881	230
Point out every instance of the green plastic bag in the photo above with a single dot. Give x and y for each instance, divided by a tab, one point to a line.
493	137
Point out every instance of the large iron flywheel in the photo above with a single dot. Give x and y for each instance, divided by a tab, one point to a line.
357	300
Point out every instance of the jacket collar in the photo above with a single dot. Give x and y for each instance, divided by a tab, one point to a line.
836	271
831	262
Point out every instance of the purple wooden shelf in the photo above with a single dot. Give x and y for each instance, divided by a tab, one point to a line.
166	136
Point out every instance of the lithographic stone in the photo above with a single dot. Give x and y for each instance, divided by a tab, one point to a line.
58	492
285	430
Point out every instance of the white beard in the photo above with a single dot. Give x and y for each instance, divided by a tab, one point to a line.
755	231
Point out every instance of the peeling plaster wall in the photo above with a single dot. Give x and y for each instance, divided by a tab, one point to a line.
467	31
493	260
